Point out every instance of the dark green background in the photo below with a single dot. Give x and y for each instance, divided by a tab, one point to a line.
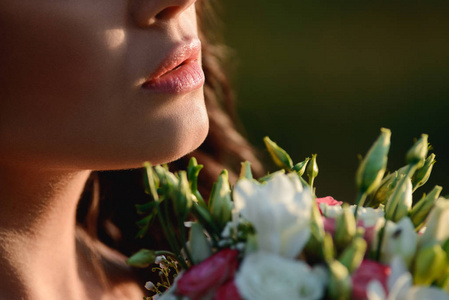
323	77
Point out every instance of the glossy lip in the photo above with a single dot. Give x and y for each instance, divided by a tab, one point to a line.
180	72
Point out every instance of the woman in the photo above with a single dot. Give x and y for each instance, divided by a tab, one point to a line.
95	85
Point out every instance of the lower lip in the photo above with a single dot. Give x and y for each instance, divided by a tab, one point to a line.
186	78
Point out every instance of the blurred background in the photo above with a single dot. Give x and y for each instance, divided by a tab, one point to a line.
323	77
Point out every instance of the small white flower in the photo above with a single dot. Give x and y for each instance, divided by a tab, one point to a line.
149	285
266	276
280	211
160	259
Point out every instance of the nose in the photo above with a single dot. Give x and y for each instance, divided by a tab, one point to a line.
148	12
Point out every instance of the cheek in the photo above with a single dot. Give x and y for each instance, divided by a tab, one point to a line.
54	52
56	58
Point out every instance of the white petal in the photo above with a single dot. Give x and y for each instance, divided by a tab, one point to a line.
375	291
426	293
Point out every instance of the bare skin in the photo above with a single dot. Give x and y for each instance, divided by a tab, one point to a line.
70	104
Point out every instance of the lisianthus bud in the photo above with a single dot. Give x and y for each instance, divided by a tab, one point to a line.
380	195
353	255
340	284
345	228
142	259
314	245
300	168
430	264
200	248
422	174
220	201
400	201
372	167
183	199
437	228
312	169
417	154
279	155
193	170
422	209
245	171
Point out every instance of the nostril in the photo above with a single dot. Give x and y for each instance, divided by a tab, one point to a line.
167	12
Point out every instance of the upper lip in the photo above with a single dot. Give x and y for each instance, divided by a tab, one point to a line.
180	55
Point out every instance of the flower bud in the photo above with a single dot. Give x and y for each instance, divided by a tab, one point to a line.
279	155
430	265
422	174
142	259
353	255
400	201
345	228
245	171
193	170
300	168
437	228
200	248
151	181
328	248
149	285
316	234
380	195
183	201
312	168
372	167
422	209
417	154
220	201
340	283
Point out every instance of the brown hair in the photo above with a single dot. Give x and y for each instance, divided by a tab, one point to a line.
106	212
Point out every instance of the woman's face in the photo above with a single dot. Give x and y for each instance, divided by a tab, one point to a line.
89	84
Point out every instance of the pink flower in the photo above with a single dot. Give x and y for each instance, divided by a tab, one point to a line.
327	200
228	291
208	275
368	271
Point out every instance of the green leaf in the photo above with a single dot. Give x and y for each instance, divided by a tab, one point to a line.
142	259
145	208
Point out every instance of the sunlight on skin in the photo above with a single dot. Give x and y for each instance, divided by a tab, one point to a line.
115	38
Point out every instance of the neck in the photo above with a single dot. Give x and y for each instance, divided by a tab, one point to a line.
37	233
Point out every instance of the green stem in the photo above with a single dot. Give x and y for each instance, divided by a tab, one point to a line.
172	236
361	197
311	180
168	236
184	243
380	238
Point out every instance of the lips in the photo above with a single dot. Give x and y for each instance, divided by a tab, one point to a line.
180	72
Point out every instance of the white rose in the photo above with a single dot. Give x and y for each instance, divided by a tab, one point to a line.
280	211
266	276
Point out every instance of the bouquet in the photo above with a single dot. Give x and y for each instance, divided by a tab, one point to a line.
272	238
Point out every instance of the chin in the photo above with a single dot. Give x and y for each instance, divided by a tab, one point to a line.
179	133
